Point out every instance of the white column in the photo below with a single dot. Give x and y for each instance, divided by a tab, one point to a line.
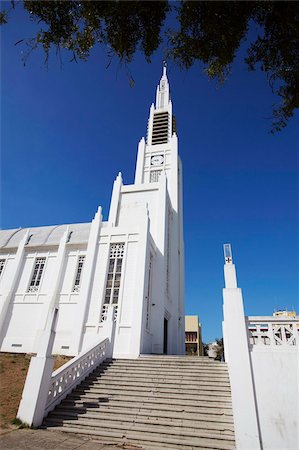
150	125
140	162
36	389
236	341
159	287
53	300
7	295
117	185
173	185
135	340
85	289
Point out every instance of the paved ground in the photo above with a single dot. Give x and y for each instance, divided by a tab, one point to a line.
26	439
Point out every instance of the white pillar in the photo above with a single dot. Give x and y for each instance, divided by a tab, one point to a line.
136	333
150	125
158	308
85	289
35	393
140	162
12	285
236	342
117	185
56	279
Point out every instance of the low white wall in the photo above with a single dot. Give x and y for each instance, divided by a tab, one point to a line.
276	381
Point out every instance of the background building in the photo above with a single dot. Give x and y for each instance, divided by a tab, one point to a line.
132	264
193	339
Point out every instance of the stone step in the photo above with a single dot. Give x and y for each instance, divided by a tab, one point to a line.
105	397
212	389
184	378
152	390
153	402
174	374
147	442
128	411
160	382
149	432
170	363
174	365
150	393
224	414
128	416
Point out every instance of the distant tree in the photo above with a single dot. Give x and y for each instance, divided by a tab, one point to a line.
205	348
219	349
209	32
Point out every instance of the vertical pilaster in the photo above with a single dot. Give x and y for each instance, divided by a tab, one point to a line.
159	291
85	289
140	162
135	341
117	185
173	173
7	295
36	389
150	125
59	264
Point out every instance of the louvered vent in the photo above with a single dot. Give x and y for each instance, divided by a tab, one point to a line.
160	128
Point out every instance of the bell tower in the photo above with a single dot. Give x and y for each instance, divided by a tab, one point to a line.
158	154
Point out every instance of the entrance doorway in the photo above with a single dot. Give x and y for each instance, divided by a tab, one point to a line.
165	343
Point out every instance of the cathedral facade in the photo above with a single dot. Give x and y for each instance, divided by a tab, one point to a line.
128	269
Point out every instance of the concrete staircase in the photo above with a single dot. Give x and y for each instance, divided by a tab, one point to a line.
153	402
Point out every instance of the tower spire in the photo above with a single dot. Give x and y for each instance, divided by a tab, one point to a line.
164	68
162	95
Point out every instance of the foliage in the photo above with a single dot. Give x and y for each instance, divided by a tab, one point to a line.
209	32
18	423
219	349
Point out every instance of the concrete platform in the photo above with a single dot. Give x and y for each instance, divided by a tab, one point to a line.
27	439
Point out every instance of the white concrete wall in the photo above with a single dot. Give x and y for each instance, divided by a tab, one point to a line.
262	354
276	383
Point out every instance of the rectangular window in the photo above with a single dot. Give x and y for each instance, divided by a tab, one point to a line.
2	262
80	265
191	336
37	274
155	176
113	278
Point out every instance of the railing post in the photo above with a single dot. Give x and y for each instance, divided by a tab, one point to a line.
239	365
35	392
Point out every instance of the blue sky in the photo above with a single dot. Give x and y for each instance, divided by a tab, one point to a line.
67	131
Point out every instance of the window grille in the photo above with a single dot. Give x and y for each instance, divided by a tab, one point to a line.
2	262
113	278
37	274
104	313
115	313
155	176
80	265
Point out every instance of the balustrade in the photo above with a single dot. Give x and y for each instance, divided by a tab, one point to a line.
66	378
273	331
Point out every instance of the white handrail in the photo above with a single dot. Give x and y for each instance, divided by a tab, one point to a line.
68	376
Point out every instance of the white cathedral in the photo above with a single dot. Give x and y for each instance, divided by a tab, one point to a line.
128	270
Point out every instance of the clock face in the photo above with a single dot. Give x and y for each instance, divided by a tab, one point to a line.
157	160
